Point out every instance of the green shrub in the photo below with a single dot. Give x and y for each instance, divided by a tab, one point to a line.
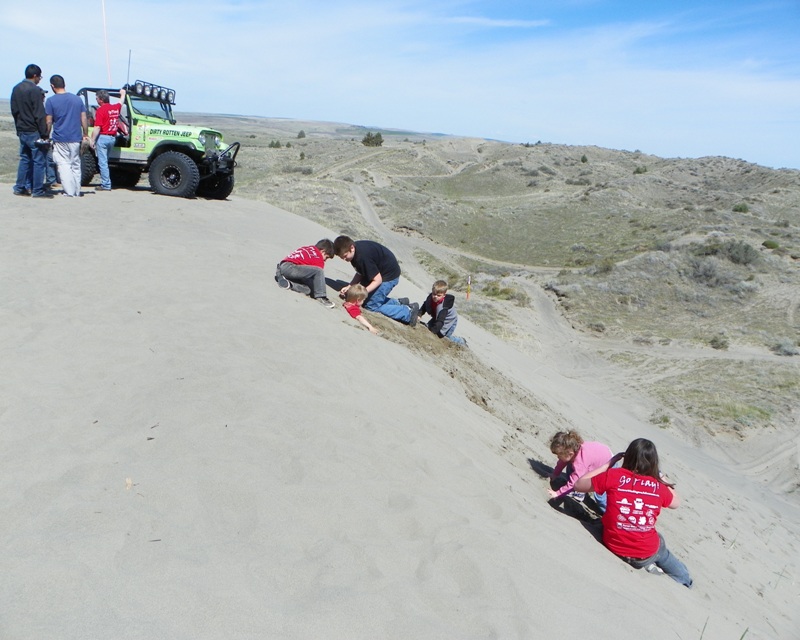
720	342
372	140
785	347
737	251
770	244
639	170
302	134
741	208
606	265
660	418
740	252
495	289
584	159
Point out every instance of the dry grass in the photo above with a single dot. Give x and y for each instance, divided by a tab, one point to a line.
624	229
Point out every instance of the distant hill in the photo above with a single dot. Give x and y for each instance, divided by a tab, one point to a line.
640	251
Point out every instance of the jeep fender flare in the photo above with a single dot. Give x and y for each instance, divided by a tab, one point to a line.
180	147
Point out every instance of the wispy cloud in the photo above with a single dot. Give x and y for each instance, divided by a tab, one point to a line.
494	23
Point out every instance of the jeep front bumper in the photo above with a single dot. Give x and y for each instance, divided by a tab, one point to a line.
221	162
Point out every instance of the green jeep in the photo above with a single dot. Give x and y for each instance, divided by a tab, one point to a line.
180	160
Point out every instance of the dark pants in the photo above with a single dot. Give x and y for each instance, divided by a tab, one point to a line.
32	165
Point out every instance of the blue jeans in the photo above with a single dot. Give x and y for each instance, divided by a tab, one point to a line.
449	335
50	169
668	563
602	501
32	165
103	144
380	301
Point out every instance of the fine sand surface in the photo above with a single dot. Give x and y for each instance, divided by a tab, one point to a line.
189	452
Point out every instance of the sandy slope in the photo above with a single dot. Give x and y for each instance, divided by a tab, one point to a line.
191	452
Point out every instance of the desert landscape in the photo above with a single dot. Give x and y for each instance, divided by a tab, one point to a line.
191	452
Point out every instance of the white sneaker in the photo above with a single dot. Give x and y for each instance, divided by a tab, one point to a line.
654	569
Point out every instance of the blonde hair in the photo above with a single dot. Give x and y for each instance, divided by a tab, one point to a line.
356	292
439	287
566	442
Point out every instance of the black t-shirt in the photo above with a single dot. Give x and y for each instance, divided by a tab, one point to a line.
372	258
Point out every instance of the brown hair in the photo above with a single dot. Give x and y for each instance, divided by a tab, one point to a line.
342	245
641	457
566	442
439	287
326	246
356	292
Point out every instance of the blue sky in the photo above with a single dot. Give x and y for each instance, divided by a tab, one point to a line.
674	79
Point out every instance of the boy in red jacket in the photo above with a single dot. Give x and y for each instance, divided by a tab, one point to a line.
303	271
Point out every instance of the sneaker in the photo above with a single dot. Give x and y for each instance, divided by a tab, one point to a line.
404	301
22	192
283	283
578	496
42	195
414	315
654	569
326	303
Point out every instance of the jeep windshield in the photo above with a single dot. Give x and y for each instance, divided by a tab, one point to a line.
151	108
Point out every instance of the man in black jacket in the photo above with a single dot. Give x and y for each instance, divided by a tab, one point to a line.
31	124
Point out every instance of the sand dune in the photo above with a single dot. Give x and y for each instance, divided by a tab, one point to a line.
191	452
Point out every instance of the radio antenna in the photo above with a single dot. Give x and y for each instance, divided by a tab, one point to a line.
105	36
128	79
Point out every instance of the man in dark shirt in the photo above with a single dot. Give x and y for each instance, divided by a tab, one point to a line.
377	269
31	124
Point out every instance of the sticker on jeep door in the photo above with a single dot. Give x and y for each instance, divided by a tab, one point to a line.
170	132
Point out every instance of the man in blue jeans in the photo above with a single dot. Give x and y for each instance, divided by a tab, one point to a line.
378	270
30	121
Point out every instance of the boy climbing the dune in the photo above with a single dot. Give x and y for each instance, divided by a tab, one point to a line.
303	271
441	306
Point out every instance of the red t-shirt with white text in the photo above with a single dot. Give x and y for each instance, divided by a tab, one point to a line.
107	118
310	256
634	502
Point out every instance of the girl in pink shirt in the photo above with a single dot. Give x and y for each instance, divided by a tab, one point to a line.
578	457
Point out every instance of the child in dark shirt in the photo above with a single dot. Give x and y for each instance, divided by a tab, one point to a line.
378	270
441	306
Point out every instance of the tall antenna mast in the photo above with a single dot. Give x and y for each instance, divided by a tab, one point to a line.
105	35
128	79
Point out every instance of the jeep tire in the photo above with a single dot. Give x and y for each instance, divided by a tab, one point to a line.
88	168
217	187
174	174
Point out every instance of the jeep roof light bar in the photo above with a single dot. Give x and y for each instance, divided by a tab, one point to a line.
153	91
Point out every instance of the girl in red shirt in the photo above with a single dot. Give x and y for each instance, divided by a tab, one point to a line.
636	493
